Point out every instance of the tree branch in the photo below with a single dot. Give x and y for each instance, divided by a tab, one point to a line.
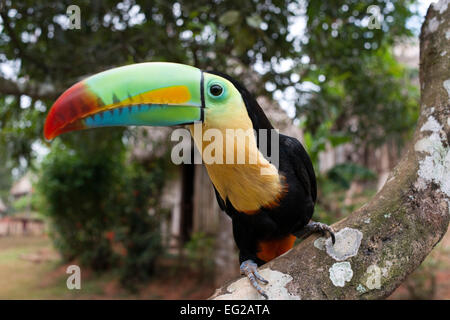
33	90
378	245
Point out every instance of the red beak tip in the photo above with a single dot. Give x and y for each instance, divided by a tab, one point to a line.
71	106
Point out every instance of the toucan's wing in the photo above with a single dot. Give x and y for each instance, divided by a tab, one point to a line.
301	162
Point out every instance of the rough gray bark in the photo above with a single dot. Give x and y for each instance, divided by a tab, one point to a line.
385	240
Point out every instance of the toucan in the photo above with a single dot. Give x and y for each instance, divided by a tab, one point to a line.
268	211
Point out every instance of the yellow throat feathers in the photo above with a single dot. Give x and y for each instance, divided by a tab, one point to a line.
243	184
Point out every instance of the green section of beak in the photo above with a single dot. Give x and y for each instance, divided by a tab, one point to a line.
145	94
136	80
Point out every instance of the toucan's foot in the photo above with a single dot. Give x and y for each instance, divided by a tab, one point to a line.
250	269
314	227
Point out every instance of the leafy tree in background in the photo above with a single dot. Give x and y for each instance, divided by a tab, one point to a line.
99	203
116	33
358	93
365	94
227	36
5	176
82	203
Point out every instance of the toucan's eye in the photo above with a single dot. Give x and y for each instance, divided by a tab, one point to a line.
216	90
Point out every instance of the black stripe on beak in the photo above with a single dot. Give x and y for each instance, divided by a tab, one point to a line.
202	96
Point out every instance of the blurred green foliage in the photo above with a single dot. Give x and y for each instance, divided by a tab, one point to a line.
361	78
363	92
116	33
22	204
6	166
98	205
357	91
82	198
343	174
200	252
334	202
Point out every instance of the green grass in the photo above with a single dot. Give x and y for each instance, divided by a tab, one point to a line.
24	279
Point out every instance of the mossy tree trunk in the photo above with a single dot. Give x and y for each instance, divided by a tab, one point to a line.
389	237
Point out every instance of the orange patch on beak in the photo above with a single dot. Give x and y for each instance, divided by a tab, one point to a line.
169	95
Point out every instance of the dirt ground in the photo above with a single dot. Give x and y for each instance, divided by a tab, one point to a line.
31	269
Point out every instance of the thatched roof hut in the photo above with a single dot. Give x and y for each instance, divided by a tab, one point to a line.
22	187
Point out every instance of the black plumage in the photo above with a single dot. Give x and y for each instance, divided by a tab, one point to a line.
296	206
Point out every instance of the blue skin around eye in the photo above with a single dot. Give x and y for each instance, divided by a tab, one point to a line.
217	98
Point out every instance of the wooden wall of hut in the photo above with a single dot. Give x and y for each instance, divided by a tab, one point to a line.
210	219
11	226
206	210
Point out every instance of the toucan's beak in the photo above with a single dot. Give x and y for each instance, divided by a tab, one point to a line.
147	94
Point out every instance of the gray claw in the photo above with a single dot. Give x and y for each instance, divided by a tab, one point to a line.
259	277
326	228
